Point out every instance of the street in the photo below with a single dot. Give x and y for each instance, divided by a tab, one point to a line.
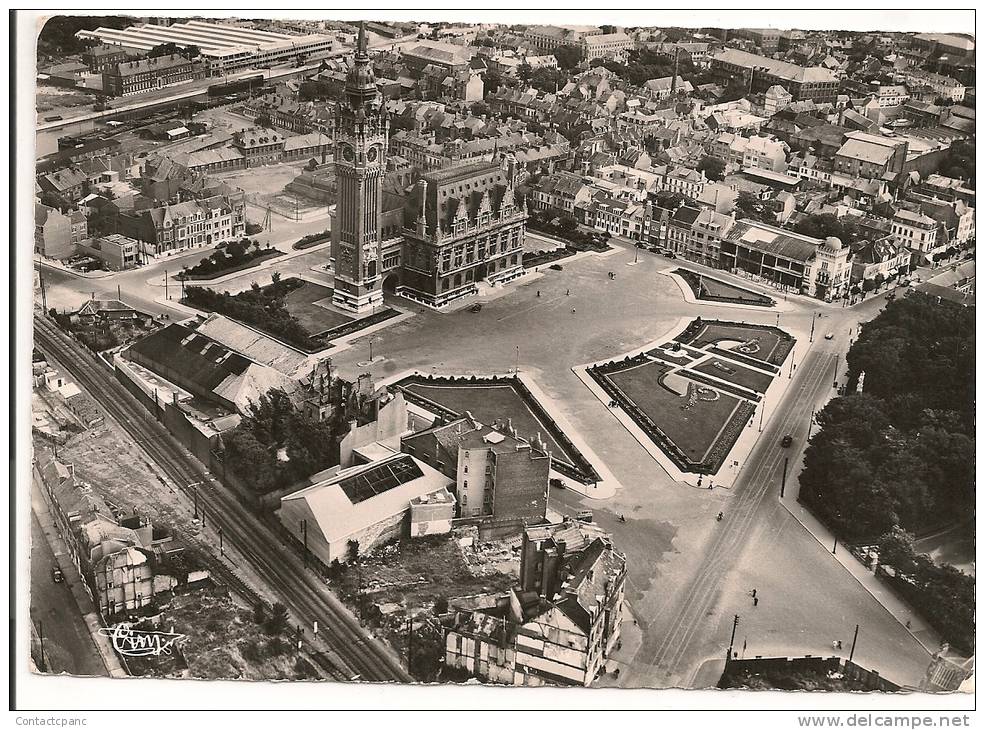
687	573
68	646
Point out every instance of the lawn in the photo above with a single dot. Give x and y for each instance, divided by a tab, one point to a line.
746	377
694	430
764	343
301	303
489	402
711	289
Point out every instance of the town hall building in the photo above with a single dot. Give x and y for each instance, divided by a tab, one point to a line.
434	242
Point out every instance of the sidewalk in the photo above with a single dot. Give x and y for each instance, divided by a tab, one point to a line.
900	610
39	503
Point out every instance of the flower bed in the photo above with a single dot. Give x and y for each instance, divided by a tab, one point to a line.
545	257
311	240
775	344
710	289
726	387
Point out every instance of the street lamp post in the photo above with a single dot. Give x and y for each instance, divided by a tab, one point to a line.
762	410
834	378
222	553
793	354
810	425
813	320
851	654
516	370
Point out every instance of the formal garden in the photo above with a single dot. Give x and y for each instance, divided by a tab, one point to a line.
503	400
710	289
693	423
755	343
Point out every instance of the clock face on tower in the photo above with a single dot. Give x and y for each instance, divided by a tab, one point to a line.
372	154
348	154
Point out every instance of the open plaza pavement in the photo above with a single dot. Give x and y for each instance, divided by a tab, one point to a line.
688	573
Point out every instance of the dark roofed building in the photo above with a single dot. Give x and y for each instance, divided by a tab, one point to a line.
205	368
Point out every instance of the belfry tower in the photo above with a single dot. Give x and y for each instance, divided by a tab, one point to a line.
361	136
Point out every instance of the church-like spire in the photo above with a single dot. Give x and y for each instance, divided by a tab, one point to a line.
360	82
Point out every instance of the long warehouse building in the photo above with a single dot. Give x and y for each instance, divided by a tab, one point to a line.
227	47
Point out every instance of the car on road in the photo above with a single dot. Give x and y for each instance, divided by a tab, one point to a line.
786	441
57	575
556	267
475	307
558	483
829	336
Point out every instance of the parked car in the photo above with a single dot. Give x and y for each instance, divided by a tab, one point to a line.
57	575
786	441
558	483
556	267
829	336
475	307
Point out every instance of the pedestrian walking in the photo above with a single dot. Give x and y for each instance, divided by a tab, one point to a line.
753	592
572	310
567	293
755	601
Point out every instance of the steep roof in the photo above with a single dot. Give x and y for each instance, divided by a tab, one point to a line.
209	364
780	69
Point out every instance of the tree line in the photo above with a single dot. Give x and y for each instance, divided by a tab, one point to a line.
897	455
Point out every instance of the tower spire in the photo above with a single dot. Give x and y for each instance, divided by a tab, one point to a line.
361	47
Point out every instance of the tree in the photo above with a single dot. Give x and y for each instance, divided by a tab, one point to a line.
546	79
825	225
479	109
352	550
277	623
441	606
491	81
712	167
568	57
259	613
868	285
265	121
748	205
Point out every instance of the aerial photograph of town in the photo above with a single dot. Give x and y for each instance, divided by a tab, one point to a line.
598	356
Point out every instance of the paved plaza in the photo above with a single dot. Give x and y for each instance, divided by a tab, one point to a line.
583	316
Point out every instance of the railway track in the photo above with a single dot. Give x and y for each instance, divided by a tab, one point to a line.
342	647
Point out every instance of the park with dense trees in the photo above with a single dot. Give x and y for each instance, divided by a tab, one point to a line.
898	453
